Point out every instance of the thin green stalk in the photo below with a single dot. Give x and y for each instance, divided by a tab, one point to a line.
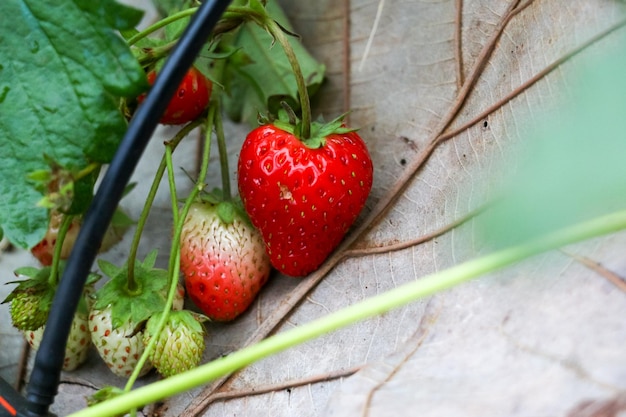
143	217
66	223
154	54
269	24
221	146
161	23
172	182
278	34
395	298
204	165
174	264
89	169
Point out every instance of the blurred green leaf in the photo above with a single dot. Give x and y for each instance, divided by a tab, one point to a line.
574	166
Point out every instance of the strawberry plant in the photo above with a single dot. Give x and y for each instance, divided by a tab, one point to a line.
303	185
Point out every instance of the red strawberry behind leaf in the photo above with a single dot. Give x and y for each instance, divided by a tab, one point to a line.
223	260
44	250
189	101
303	195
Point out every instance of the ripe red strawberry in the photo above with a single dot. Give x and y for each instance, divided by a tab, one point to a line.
44	250
189	101
222	259
180	344
303	195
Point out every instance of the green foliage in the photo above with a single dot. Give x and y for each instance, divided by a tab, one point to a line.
574	167
258	75
133	304
67	113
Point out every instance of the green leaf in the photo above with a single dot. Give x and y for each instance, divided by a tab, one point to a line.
63	68
574	167
258	79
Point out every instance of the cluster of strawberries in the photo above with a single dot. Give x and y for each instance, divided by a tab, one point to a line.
298	199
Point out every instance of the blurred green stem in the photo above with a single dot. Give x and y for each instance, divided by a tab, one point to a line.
395	298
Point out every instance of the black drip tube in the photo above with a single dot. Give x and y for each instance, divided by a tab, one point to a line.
44	380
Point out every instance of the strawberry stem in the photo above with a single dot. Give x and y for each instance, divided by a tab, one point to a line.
152	55
365	309
89	169
161	23
143	217
277	32
66	223
221	146
261	18
171	180
174	262
206	153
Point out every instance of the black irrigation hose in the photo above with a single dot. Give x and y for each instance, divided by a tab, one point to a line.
44	380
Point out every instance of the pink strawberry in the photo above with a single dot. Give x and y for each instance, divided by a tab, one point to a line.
222	258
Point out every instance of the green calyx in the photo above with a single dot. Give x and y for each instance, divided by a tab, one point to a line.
320	130
192	321
136	305
226	210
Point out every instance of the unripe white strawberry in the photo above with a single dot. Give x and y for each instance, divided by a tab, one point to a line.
79	339
119	347
119	313
78	342
179	345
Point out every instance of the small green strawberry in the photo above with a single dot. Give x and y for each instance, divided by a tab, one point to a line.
27	311
222	258
179	345
31	299
119	314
